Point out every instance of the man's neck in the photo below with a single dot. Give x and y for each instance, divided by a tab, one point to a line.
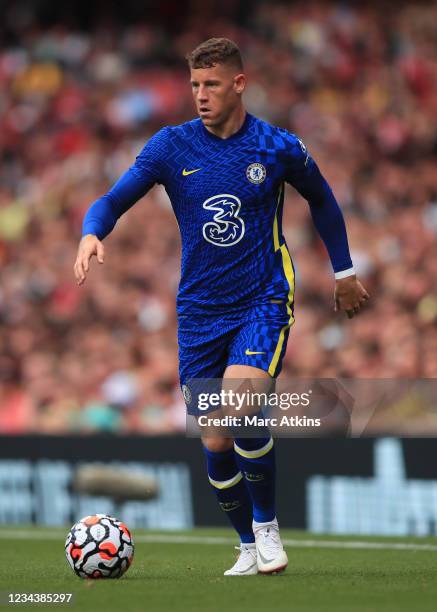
231	126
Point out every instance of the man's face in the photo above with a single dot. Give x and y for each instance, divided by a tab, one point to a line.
217	92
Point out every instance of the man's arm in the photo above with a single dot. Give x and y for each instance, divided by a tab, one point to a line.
103	214
328	219
101	218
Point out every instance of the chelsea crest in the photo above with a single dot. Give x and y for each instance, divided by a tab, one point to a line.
256	173
187	394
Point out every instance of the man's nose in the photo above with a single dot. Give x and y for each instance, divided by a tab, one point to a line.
202	95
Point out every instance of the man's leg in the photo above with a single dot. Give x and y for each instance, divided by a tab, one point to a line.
255	458
203	354
228	483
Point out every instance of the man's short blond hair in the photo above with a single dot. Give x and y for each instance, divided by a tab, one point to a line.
215	51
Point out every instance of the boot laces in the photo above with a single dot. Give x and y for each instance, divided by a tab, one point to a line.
270	540
242	557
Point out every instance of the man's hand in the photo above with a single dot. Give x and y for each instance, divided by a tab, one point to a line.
89	245
349	295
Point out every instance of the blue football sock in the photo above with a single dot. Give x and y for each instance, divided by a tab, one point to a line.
256	459
230	488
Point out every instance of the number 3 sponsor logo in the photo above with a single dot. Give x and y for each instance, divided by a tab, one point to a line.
226	228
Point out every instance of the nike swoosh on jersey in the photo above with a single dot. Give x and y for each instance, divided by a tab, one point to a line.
248	352
187	172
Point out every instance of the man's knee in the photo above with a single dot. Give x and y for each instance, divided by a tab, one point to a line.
217	444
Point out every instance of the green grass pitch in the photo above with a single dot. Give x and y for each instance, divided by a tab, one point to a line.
184	572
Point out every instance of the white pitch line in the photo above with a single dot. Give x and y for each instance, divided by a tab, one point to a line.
358	544
29	534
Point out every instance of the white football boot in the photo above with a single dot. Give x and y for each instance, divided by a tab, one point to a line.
246	564
271	555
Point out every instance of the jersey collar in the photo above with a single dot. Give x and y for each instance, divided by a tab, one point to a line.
225	141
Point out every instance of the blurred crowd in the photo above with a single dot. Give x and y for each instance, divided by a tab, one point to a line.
357	83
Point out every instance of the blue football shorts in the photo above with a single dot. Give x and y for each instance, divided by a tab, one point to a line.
210	343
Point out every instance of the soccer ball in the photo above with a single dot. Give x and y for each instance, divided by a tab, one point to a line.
99	546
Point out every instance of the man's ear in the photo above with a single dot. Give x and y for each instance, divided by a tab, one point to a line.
239	83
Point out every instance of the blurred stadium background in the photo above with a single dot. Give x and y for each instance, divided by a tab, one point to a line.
82	87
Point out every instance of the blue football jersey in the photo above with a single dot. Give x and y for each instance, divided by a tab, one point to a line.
228	195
